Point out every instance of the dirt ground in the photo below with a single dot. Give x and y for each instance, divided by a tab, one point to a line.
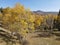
33	39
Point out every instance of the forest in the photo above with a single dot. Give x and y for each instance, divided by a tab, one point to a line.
23	21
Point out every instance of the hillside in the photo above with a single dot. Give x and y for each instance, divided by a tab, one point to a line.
44	13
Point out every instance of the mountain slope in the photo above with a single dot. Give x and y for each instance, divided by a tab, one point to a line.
42	12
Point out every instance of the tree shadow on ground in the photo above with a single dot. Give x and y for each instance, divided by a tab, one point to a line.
44	34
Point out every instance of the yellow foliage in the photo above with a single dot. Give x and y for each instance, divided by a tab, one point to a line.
21	19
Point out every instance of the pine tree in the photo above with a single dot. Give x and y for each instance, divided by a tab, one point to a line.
58	21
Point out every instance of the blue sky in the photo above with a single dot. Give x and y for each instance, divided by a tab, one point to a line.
44	5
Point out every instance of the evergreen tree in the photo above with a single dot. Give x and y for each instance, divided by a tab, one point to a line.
58	21
1	10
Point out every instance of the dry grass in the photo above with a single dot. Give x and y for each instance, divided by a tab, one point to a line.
42	40
53	40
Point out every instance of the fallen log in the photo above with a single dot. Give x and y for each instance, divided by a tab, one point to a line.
4	30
